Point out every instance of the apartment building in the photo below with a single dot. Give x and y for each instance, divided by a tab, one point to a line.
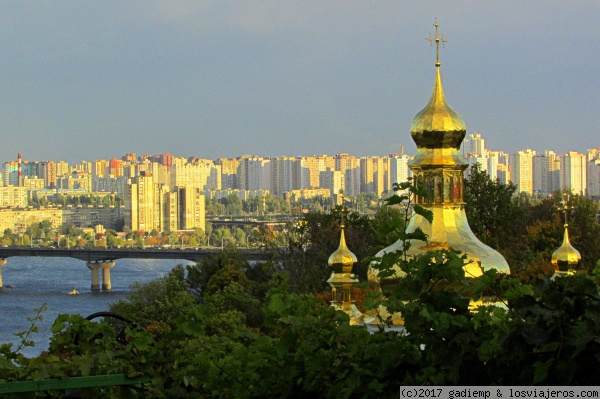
573	172
521	170
593	172
13	197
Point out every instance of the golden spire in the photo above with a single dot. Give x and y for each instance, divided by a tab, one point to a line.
438	116
343	256
342	280
566	258
438	167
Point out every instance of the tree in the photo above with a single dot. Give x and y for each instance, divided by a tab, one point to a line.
233	204
239	236
490	210
221	236
304	246
163	300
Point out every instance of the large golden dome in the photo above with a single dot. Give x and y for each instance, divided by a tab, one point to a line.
438	125
566	257
342	258
438	168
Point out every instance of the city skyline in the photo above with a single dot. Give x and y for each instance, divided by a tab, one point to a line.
220	80
139	155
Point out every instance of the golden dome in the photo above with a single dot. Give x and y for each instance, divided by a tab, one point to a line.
342	256
566	257
438	125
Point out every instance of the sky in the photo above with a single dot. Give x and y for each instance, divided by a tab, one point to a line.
82	80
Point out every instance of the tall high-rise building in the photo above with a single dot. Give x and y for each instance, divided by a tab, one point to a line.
374	175
282	171
144	202
521	170
10	173
199	173
546	172
191	208
573	172
399	170
229	172
48	173
333	180
482	160
593	172
63	168
253	171
473	145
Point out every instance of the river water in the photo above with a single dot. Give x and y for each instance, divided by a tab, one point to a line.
39	281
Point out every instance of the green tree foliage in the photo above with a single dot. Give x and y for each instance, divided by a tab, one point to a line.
527	230
162	300
490	208
304	247
250	333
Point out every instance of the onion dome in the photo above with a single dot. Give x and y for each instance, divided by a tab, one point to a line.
438	130
438	125
566	258
342	259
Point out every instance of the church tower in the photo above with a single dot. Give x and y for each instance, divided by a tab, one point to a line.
438	166
566	259
342	280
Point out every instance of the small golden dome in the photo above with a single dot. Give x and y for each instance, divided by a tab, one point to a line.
343	256
566	257
438	125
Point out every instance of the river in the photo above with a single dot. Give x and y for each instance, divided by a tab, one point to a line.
39	281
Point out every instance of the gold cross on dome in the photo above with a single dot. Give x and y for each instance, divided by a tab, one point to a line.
437	43
343	207
565	207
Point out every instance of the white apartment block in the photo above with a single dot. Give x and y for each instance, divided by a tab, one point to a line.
473	145
474	159
13	197
546	172
251	173
352	182
521	170
593	173
282	172
301	174
399	170
573	172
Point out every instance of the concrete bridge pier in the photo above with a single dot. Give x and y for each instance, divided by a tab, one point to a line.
2	263
95	268
106	266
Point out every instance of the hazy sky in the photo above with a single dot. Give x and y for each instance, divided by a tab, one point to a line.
95	80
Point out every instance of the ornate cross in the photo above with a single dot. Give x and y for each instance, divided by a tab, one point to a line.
437	43
565	208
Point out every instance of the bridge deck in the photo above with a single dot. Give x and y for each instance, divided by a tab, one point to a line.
111	254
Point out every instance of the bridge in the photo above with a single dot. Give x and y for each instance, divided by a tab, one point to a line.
104	258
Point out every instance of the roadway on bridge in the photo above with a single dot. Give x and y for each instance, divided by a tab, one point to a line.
111	254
